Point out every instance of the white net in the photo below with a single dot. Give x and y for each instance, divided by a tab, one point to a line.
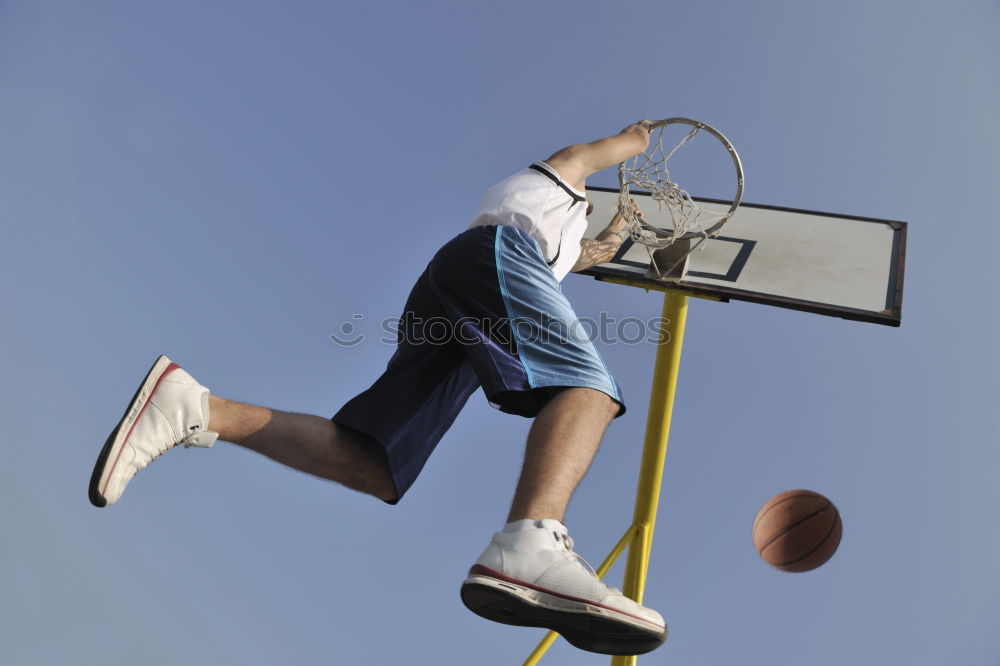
649	171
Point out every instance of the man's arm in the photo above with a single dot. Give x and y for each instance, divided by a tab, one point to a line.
604	246
575	163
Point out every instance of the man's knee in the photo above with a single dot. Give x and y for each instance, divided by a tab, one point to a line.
368	468
380	481
609	404
593	400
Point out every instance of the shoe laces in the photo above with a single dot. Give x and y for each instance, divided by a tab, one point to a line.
566	541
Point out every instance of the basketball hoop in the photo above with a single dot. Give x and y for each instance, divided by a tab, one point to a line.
692	224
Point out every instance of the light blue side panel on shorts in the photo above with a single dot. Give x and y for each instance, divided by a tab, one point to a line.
551	342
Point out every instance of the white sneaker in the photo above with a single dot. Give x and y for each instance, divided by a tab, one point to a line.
169	408
532	578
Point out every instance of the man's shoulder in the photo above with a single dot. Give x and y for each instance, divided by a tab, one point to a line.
528	179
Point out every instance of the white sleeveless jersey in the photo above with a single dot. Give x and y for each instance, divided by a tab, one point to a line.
540	203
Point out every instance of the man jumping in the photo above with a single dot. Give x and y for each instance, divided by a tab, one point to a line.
513	333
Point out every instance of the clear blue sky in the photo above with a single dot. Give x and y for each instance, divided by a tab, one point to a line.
228	182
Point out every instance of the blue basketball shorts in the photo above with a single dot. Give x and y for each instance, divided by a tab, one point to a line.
486	312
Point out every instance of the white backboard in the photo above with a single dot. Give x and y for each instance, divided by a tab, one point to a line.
837	265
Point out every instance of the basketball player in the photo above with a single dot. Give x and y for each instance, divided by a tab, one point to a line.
514	334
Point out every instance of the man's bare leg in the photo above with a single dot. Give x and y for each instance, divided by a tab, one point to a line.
561	445
311	444
529	575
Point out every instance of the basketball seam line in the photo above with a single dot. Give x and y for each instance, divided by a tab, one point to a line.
793	526
771	508
822	541
804	493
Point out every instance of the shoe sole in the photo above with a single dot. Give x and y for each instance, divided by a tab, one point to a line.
586	626
116	440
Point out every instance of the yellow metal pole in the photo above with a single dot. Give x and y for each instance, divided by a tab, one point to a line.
654	451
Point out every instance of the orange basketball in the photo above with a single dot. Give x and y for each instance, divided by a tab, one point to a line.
797	530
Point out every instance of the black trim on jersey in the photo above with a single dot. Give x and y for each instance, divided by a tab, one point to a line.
576	199
558	250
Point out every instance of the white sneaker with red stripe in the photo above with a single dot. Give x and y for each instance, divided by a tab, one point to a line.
529	576
170	408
